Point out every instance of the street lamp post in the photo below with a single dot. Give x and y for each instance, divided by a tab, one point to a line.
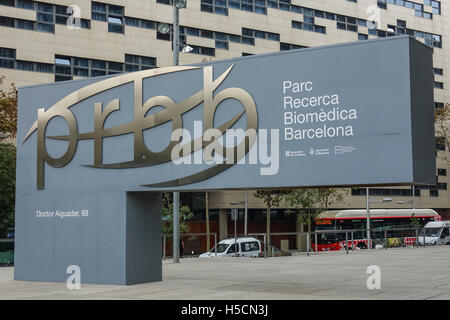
234	216
246	213
368	201
163	28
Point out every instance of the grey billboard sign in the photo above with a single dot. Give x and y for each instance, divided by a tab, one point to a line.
348	114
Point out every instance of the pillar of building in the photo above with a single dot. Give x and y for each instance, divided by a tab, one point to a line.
301	239
223	224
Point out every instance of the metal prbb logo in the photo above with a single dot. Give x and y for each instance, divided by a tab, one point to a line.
172	111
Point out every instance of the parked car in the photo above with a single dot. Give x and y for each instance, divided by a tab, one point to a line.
247	247
436	232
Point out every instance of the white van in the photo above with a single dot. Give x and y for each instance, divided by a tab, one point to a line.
436	232
247	247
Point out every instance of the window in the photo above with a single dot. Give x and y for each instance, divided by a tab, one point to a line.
24	24
111	13
308	26
249	246
438	71
442	172
442	186
288	46
385	192
7	58
136	63
440	143
362	36
25	4
24	65
434	193
232	249
348	23
220	6
438	85
7	22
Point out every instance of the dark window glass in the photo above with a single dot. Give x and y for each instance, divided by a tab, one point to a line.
6	22
44	67
46	27
24	65
222	45
249	41
206	8
247	32
25	4
98	73
80	62
5	63
362	36
115	9
132	22
59	78
148	61
273	36
45	17
117	66
442	172
148	24
131	68
235	38
25	24
98	16
117	28
9	3
208	51
81	72
207	34
62	70
61	20
284	46
131	59
45	7
98	64
222	11
98	7
260	34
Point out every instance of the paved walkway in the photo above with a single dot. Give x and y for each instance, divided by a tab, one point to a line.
406	273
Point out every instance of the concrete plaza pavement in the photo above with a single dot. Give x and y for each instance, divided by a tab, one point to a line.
406	273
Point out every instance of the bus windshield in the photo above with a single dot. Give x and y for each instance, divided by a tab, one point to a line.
432	232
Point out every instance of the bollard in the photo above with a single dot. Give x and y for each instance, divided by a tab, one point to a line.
385	239
346	240
164	247
308	237
315	241
417	238
353	244
424	243
215	244
265	246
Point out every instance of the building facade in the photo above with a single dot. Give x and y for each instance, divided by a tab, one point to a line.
57	40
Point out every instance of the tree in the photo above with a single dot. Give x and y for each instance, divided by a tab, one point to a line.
271	198
8	112
442	128
167	215
414	222
312	201
7	186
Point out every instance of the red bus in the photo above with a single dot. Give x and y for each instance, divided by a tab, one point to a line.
380	220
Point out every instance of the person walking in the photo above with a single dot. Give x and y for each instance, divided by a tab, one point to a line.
181	247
